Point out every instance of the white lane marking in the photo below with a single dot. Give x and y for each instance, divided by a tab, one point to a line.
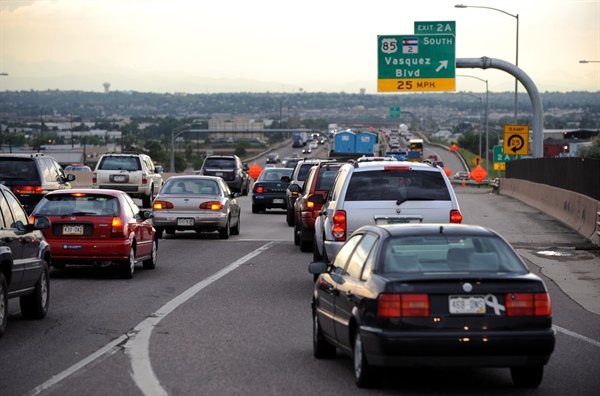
138	339
578	336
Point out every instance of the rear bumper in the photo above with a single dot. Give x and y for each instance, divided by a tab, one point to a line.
467	349
205	221
91	250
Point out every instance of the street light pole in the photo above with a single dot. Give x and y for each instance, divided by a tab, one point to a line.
587	61
487	144
480	106
517	44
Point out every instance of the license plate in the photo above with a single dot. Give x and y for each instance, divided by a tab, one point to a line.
119	178
278	201
72	230
219	174
467	304
398	221
185	222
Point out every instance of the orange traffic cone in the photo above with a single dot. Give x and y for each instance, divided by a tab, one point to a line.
464	184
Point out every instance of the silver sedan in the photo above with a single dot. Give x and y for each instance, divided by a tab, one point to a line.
198	203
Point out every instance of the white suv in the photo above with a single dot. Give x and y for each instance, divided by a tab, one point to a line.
382	192
132	173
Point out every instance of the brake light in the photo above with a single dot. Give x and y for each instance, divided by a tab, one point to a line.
455	216
94	179
388	167
117	227
403	305
144	178
528	304
211	205
78	195
339	225
28	190
159	205
260	189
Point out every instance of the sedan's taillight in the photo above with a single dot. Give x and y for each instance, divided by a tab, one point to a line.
339	225
211	205
528	304
160	205
455	216
260	189
403	305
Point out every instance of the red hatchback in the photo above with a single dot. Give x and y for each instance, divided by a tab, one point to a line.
318	181
98	227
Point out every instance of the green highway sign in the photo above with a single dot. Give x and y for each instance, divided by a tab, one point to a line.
435	27
499	155
416	62
395	111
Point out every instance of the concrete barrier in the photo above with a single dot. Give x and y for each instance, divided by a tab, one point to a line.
578	211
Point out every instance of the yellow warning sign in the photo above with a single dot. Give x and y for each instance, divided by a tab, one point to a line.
516	139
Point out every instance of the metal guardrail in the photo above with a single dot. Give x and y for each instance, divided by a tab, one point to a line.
598	223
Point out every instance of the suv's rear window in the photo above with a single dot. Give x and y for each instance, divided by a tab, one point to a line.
433	255
19	169
400	185
120	163
221	163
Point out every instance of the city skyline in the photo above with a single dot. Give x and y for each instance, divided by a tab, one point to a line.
273	46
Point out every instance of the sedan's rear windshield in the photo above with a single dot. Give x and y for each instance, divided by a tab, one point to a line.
400	185
442	255
78	204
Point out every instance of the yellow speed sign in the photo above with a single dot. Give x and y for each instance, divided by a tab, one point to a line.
516	139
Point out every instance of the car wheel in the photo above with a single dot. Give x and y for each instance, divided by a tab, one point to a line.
159	232
127	267
290	217
255	209
3	304
170	231
365	375
316	255
150	263
58	264
147	199
296	235
306	245
245	191
35	305
527	377
235	230
322	349
224	232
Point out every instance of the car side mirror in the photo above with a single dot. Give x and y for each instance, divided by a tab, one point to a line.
70	177
146	214
295	188
316	199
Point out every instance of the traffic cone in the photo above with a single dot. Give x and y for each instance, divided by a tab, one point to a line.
464	184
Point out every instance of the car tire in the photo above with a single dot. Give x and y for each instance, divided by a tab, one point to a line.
255	208
147	199
58	264
245	191
365	375
527	377
322	349
150	263
159	232
127	267
170	231
306	245
224	232
235	230
296	235
316	255
3	304
289	217
35	305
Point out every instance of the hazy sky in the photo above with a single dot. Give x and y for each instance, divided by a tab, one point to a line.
207	46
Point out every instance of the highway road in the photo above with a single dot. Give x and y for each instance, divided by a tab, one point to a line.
232	317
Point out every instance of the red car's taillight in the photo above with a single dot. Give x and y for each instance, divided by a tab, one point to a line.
117	227
528	304
403	305
339	225
455	216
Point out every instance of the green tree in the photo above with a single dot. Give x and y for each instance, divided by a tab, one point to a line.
592	151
